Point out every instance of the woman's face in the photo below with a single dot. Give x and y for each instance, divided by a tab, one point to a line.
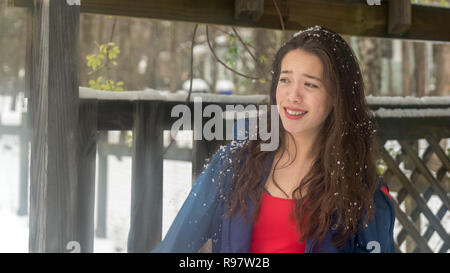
303	102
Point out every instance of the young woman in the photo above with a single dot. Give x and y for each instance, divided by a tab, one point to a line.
320	190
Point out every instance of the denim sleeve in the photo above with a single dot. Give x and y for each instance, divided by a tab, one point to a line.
378	235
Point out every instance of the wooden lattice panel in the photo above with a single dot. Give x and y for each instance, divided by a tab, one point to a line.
416	179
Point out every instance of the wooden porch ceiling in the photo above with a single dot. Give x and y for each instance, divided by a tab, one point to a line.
350	17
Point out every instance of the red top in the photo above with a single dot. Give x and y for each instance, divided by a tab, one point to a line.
275	230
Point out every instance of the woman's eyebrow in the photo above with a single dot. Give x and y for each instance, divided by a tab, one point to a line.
286	71
304	74
312	77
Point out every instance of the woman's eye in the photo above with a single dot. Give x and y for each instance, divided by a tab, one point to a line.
311	85
284	80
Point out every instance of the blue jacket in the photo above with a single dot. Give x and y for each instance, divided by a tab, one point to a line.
200	218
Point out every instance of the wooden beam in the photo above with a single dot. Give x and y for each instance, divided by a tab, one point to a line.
54	98
147	177
349	17
115	115
413	128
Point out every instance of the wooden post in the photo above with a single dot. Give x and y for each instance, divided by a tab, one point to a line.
147	177
250	8
54	96
399	20
102	189
199	155
87	151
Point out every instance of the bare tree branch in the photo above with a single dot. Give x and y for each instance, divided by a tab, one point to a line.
222	63
258	64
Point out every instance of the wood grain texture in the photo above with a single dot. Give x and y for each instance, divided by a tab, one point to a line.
87	153
53	189
399	16
147	178
349	17
414	128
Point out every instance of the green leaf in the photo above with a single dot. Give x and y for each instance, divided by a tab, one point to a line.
102	48
262	59
232	50
232	38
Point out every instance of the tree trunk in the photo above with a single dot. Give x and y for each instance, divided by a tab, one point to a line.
262	44
213	61
174	60
370	58
441	53
420	68
386	48
406	68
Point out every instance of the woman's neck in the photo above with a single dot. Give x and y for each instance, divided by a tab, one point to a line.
303	148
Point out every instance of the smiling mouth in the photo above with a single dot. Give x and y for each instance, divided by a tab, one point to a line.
294	114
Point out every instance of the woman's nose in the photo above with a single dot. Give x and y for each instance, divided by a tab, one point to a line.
295	94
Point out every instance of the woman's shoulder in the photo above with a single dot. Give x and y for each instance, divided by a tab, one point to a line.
377	235
382	198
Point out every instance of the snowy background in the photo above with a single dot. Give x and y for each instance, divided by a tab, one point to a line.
176	185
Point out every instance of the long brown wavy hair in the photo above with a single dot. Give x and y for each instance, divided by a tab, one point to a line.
342	180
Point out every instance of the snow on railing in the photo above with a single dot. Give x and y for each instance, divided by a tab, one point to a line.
158	95
426	106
